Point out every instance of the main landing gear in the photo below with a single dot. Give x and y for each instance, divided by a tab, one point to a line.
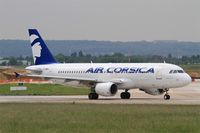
93	95
166	96
125	95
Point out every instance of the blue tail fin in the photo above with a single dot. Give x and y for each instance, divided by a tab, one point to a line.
41	53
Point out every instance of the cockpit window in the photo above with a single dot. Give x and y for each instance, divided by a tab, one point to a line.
176	71
171	71
180	71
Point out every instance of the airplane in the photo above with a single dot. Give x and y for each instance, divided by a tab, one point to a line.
106	79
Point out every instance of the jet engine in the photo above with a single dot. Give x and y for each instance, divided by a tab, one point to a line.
106	89
153	91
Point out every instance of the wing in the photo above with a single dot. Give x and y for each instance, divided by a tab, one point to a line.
116	81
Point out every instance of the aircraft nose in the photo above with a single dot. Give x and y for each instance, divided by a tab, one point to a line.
187	79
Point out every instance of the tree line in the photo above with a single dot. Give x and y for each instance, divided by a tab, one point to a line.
80	57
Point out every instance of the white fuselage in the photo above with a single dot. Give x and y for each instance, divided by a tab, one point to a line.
106	78
128	75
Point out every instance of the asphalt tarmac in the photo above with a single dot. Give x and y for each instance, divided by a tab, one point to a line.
185	95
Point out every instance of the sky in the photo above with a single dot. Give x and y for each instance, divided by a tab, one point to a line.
114	20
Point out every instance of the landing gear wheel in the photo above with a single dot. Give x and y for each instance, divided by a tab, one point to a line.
92	96
125	95
166	97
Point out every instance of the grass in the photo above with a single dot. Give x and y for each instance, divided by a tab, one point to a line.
86	118
193	67
44	89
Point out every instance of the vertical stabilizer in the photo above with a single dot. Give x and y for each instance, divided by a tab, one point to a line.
41	53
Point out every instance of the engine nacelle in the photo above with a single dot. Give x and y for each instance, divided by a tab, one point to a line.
153	91
106	89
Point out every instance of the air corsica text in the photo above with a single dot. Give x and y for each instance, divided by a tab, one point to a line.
120	70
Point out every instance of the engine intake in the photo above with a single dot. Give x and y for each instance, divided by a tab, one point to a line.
106	89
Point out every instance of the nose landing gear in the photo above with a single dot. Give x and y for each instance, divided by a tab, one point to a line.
166	96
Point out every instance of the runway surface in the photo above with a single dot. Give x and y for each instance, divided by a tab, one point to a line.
185	95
